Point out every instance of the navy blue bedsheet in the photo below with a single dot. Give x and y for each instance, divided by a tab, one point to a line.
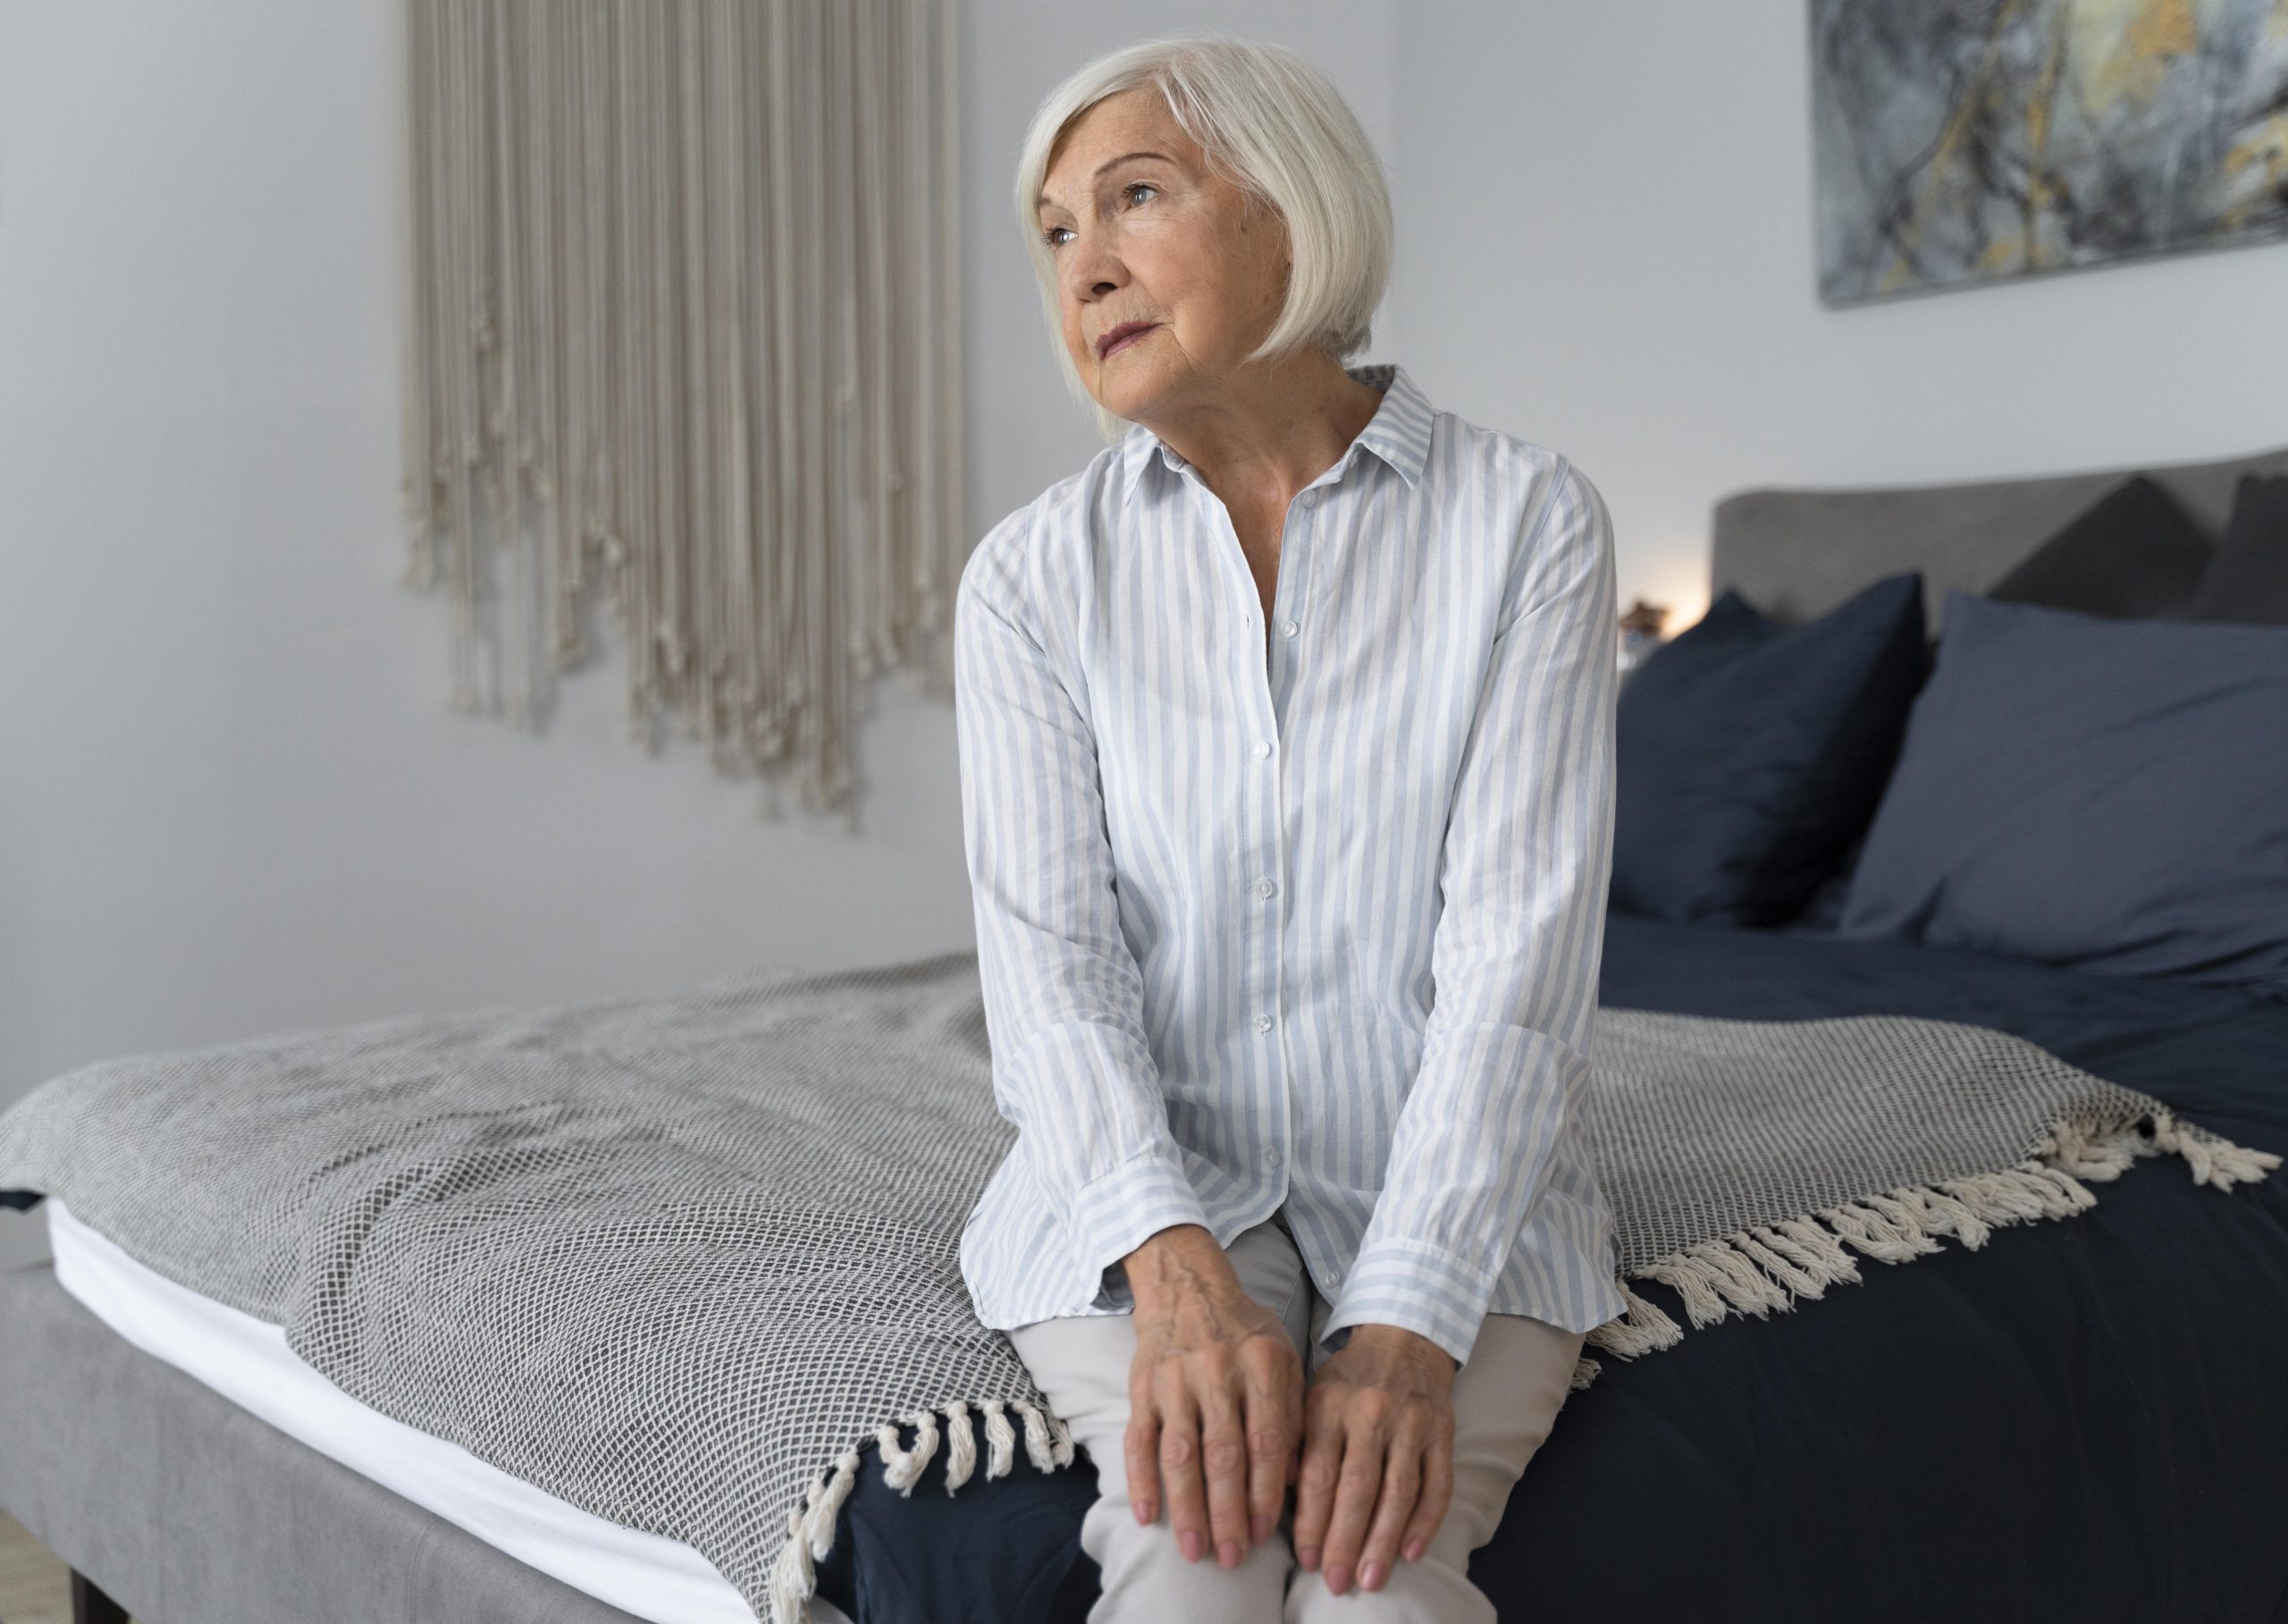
2086	1419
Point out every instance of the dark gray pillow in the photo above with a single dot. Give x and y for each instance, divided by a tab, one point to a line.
2132	552
2110	795
2248	580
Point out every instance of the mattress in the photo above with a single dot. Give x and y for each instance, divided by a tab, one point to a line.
248	1361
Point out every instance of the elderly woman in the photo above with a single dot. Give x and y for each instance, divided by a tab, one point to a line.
1286	748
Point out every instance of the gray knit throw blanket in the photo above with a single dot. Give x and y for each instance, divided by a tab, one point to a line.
680	1260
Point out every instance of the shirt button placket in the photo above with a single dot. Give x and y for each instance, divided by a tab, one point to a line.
1265	889
1265	1020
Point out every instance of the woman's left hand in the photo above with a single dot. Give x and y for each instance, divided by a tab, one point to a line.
1377	1466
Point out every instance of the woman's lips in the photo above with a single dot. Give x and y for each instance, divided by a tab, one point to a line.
1123	341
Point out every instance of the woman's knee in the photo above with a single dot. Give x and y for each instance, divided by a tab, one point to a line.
1146	1579
1081	1366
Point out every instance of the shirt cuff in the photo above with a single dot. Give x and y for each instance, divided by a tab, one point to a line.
1115	1214
1418	1288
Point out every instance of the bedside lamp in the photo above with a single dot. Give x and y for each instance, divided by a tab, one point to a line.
1640	633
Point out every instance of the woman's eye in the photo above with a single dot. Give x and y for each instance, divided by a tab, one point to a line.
1050	237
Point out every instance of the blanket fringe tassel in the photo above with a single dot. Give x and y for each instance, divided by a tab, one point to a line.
1767	1267
809	1528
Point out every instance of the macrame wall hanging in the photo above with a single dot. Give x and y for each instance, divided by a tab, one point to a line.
681	339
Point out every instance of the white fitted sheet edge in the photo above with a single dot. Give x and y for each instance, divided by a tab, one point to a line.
248	1362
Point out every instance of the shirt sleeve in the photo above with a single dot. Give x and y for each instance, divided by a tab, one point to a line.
1526	861
1063	997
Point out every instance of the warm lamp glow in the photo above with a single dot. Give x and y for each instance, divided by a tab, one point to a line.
1685	591
1681	588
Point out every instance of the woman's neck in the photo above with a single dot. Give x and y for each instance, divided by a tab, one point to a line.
1272	429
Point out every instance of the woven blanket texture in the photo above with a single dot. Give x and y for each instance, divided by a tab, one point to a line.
680	1260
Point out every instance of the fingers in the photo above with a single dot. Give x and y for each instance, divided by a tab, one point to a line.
1374	1482
1274	1422
1438	1494
1179	1458
1140	1453
1358	1486
1401	1487
1317	1471
1223	1455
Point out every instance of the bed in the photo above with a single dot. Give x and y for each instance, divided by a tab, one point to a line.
2081	1420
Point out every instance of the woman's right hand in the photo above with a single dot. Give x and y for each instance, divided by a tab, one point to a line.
1215	1399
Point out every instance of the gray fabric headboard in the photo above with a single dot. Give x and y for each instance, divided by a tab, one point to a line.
1795	554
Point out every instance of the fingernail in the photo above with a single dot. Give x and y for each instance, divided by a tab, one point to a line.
1260	1528
1191	1543
1309	1556
1227	1554
1413	1550
1143	1510
1337	1578
1370	1575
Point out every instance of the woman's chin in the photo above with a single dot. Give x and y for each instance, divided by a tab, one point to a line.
1126	390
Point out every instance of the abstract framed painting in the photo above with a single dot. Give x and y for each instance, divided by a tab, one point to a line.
1957	142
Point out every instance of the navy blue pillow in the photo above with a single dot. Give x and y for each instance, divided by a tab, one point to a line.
1751	753
2105	794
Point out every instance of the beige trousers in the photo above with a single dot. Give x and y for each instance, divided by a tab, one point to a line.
1506	1397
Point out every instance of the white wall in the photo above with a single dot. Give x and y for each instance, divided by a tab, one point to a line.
233	798
1606	225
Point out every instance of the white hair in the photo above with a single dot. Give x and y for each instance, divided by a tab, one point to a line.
1275	126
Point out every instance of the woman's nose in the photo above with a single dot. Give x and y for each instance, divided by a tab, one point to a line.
1092	271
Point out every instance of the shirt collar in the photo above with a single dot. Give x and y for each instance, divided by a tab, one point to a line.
1399	432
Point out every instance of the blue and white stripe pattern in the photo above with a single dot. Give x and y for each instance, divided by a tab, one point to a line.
1312	920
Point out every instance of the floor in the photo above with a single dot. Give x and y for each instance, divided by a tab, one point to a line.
35	1587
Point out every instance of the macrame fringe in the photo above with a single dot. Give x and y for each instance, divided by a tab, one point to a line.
681	342
810	1527
1767	1267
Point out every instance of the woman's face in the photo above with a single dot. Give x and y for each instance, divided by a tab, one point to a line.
1155	239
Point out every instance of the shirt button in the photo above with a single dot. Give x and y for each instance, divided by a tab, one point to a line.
1262	749
1263	888
1271	1156
1289	629
1311	498
1263	1023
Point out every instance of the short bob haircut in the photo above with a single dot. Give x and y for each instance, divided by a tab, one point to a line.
1274	125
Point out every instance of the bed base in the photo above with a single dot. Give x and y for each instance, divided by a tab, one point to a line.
90	1605
163	1494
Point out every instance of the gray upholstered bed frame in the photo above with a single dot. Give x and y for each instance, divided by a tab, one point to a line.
193	1512
190	1510
1796	553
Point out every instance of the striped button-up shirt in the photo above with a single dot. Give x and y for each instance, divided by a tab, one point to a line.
1304	916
